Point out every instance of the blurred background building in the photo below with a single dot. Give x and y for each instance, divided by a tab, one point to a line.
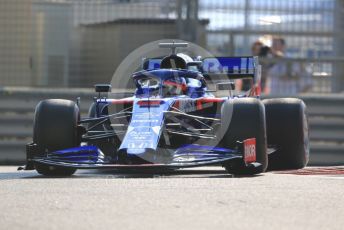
76	43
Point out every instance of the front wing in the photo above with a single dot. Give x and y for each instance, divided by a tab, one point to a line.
90	157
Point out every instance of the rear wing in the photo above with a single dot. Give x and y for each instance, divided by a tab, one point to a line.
220	69
215	67
231	67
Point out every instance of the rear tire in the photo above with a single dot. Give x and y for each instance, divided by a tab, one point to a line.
55	128
287	130
244	118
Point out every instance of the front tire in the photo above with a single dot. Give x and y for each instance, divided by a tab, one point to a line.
55	128
244	118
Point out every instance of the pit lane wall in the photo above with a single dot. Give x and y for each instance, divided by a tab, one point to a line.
326	118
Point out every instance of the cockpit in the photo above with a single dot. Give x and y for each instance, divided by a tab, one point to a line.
169	83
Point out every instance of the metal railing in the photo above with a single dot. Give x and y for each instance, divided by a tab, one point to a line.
77	43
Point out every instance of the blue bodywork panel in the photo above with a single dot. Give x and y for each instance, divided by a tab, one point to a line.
229	65
82	154
145	126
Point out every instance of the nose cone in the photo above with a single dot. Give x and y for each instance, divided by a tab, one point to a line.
144	131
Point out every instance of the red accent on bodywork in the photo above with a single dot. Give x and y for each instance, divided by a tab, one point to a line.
198	103
178	85
202	101
121	101
150	103
250	150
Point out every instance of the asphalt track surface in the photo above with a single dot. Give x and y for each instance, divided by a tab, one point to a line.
205	198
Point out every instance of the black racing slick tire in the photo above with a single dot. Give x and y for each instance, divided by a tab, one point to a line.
287	131
55	128
244	118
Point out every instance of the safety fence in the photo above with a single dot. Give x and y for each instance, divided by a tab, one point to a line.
77	43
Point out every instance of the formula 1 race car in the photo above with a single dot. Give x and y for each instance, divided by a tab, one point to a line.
173	121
